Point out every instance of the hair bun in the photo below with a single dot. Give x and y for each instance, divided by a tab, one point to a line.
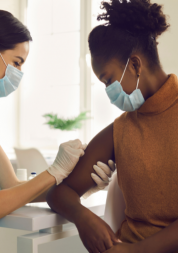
136	16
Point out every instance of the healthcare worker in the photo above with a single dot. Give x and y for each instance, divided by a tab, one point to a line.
143	140
14	49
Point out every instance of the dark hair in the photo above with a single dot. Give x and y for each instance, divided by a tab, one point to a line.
12	31
131	26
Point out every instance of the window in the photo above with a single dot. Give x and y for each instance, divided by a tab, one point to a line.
52	74
58	76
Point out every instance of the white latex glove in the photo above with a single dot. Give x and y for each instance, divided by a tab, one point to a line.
66	159
103	177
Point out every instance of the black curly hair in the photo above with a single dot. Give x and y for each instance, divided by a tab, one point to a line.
131	26
12	31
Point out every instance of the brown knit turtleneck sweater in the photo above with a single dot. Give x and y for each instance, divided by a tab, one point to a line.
146	152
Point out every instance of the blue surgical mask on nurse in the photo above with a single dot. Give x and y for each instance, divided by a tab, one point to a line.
123	101
10	82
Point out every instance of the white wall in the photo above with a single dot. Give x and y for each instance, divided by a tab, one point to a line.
11	6
51	81
168	49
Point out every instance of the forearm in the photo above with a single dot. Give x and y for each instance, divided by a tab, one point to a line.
7	175
13	198
41	197
165	241
65	201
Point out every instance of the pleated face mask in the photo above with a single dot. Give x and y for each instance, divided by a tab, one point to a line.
123	101
10	82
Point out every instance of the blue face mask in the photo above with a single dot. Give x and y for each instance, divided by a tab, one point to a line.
123	101
10	81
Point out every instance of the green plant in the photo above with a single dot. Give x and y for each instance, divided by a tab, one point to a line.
65	124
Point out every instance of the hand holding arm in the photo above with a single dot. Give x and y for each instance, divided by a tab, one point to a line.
66	159
25	192
103	177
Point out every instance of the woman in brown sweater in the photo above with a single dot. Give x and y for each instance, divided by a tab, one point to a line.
143	141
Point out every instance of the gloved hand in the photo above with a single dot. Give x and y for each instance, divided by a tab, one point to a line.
103	177
66	159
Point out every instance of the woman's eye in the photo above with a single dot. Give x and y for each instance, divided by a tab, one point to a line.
17	64
108	82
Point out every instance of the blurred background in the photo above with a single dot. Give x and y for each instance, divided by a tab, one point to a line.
58	79
58	76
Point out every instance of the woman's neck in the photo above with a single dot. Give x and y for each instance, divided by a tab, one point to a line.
151	83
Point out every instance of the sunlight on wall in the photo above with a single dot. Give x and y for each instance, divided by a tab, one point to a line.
51	83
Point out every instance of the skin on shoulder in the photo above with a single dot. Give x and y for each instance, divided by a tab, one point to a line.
101	148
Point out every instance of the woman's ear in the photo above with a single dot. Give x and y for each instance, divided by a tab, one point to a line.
135	65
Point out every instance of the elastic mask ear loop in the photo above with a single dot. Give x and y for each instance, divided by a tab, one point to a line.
138	80
3	59
124	70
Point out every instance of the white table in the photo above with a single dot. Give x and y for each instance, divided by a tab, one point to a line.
48	226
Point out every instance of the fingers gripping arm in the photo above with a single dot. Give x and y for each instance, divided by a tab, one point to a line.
103	177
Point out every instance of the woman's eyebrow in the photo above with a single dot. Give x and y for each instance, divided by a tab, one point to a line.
22	60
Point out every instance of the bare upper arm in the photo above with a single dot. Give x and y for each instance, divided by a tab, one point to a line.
101	148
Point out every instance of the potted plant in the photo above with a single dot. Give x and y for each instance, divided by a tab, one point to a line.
68	127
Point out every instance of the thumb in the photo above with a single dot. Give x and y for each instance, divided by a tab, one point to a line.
114	238
75	152
118	241
79	152
84	146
